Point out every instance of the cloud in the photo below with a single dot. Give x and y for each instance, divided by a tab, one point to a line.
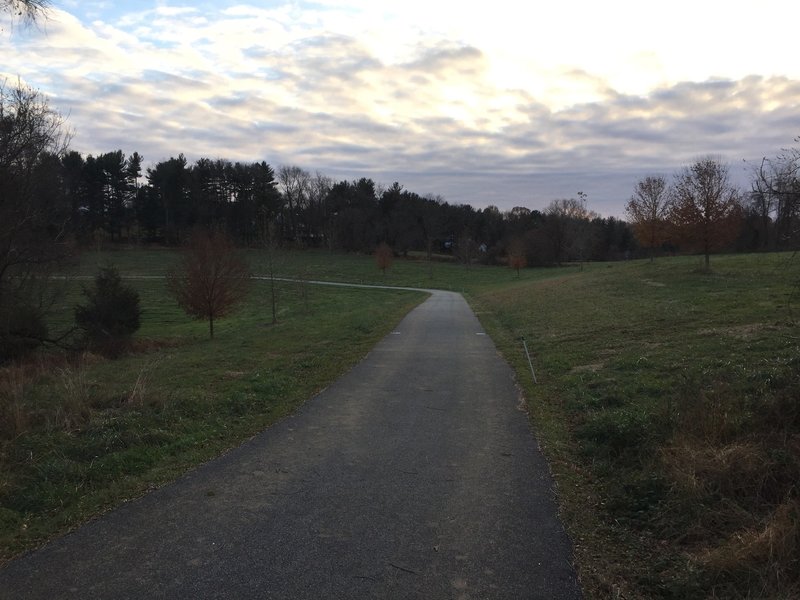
445	59
431	108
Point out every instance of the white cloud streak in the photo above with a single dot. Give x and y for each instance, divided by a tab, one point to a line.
508	106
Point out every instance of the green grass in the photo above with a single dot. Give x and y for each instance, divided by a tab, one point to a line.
667	403
668	406
81	435
326	266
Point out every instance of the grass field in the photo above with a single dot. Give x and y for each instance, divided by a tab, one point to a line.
669	406
667	403
78	436
327	266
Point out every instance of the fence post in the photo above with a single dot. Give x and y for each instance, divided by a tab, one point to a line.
530	364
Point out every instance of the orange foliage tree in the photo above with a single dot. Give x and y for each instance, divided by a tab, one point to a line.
211	279
647	210
705	208
384	256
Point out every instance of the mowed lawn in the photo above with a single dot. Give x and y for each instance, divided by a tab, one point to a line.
82	434
667	402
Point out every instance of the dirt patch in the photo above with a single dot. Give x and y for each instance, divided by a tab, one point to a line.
590	368
742	332
653	283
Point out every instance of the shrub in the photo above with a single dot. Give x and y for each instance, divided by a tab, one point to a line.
22	329
211	280
111	314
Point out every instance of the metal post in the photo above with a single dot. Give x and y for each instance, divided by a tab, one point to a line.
530	364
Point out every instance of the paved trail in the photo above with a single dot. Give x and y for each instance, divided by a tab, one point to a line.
413	476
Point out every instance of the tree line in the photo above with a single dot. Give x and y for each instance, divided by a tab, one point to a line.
109	198
701	210
54	200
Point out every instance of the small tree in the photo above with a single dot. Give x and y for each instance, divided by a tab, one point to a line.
34	216
269	240
647	210
212	278
111	313
517	256
384	256
705	209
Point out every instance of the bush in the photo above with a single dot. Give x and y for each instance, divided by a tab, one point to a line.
609	433
22	329
111	315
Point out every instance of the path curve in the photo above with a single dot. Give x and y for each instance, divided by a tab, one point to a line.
415	475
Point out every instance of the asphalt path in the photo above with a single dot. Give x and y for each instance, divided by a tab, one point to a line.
415	475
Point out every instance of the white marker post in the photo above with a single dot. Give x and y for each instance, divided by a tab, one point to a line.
530	364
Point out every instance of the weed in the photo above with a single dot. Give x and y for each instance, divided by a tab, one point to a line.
74	408
138	395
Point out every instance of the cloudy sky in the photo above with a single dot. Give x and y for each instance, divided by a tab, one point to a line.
479	102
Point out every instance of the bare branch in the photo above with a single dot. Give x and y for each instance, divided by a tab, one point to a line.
26	11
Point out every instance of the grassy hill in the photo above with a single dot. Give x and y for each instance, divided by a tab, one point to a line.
669	406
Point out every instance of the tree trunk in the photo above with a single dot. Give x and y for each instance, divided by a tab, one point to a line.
272	293
211	326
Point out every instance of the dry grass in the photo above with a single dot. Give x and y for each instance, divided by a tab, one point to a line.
69	409
75	406
139	395
13	415
764	557
700	469
671	416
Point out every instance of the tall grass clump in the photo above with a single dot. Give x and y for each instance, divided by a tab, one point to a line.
75	406
13	412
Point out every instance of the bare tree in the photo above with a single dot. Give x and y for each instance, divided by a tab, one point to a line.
268	230
294	184
316	216
28	11
212	278
33	215
705	208
566	223
384	256
647	210
775	198
432	226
